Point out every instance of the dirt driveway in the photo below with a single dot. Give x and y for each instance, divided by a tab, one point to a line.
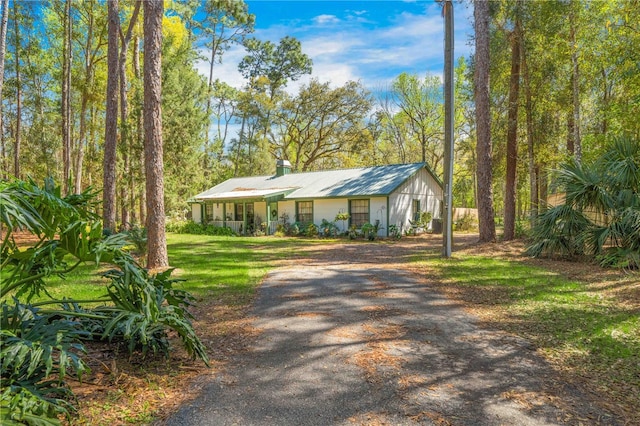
348	342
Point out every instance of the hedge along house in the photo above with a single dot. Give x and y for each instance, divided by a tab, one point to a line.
387	195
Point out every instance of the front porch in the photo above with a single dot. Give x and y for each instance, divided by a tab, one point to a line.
257	214
241	228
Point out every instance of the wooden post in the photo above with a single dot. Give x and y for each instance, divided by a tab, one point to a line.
447	228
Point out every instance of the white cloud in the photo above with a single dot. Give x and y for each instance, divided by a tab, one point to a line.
335	45
326	19
336	73
409	27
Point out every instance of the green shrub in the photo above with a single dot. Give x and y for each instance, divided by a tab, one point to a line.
522	229
35	348
328	229
466	223
191	227
40	346
311	230
353	232
601	213
145	308
138	237
394	232
370	231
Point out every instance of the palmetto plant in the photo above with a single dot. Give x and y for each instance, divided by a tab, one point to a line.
601	212
43	342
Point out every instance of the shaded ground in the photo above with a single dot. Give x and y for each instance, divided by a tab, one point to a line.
347	336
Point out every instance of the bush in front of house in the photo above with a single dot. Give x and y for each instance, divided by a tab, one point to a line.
311	230
328	229
191	227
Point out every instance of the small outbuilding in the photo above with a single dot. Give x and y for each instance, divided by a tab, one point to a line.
382	195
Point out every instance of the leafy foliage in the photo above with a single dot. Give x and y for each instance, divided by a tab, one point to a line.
466	223
36	346
601	212
40	347
394	232
191	227
328	229
138	237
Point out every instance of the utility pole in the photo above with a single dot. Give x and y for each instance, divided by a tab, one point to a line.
447	229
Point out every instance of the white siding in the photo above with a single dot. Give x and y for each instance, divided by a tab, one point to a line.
422	186
259	213
328	209
196	213
378	211
288	207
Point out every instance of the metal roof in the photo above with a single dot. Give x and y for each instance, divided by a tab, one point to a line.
364	181
241	193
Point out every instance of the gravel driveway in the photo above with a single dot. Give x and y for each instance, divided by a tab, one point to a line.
347	343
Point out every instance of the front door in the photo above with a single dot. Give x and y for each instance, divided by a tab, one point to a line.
251	226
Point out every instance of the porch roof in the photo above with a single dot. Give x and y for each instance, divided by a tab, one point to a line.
242	193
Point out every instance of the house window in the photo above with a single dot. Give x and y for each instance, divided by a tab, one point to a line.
304	211
208	208
415	210
239	212
359	211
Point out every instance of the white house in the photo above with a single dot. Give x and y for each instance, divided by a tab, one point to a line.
387	195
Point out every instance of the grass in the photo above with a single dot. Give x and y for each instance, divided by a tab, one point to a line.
210	266
579	326
225	266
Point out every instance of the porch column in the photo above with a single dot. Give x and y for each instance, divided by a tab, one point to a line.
224	214
268	230
244	218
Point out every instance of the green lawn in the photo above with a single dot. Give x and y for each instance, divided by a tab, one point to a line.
210	266
225	266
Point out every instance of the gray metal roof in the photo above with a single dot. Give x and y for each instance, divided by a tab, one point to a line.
365	181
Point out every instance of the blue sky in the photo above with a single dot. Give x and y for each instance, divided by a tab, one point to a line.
368	41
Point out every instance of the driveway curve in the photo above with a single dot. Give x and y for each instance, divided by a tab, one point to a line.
346	343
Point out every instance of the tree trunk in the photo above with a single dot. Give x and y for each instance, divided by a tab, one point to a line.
140	133
205	157
84	103
575	82
66	98
512	137
486	220
3	48
125	134
533	181
543	184
16	148
570	134
79	159
111	120
157	244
